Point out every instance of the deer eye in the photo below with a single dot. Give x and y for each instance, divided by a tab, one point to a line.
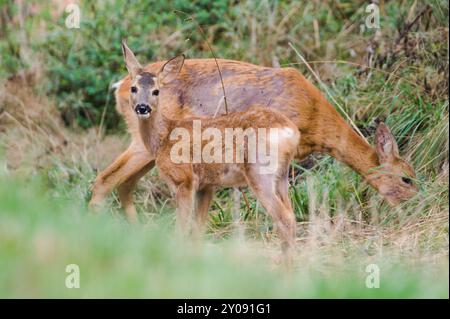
407	180
134	89
155	92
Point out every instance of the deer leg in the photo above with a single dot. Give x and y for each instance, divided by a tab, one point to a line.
105	182
264	187
282	188
203	199
125	191
185	205
124	167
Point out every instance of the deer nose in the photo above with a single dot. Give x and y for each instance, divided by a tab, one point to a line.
142	109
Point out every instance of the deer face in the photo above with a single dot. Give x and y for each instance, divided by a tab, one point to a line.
145	86
395	178
144	94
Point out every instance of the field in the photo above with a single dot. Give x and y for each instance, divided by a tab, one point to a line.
59	128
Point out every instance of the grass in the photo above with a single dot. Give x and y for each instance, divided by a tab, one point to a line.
47	166
40	237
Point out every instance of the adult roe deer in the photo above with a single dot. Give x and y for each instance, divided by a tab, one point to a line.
197	90
193	182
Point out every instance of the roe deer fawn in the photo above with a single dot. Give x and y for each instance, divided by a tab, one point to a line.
197	91
192	182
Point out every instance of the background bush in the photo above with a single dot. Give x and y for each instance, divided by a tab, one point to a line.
81	64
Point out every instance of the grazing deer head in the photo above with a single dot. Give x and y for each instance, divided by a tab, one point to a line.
395	178
145	86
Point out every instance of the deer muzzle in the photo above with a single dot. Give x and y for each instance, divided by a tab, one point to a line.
142	109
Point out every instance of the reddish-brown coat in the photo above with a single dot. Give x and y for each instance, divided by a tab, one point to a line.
197	91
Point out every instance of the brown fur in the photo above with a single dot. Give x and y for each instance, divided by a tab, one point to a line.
194	183
197	91
235	153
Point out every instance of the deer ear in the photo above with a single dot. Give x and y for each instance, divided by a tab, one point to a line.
385	143
170	69
133	65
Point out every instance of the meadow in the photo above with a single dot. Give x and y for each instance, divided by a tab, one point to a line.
59	128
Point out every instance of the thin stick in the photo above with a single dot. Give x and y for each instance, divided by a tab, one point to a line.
218	107
328	92
218	68
192	18
408	27
354	64
245	200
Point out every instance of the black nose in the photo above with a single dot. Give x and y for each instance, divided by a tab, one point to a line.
142	109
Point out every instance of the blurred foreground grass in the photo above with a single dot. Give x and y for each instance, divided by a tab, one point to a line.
39	238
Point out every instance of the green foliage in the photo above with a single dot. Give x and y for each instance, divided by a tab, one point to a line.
10	62
82	65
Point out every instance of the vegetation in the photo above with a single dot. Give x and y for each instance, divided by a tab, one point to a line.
58	128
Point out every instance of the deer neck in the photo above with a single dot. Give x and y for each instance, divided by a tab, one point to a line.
154	130
339	140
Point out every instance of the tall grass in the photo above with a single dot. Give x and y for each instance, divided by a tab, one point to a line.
41	237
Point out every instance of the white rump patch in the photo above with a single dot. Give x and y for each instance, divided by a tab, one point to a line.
287	132
278	135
